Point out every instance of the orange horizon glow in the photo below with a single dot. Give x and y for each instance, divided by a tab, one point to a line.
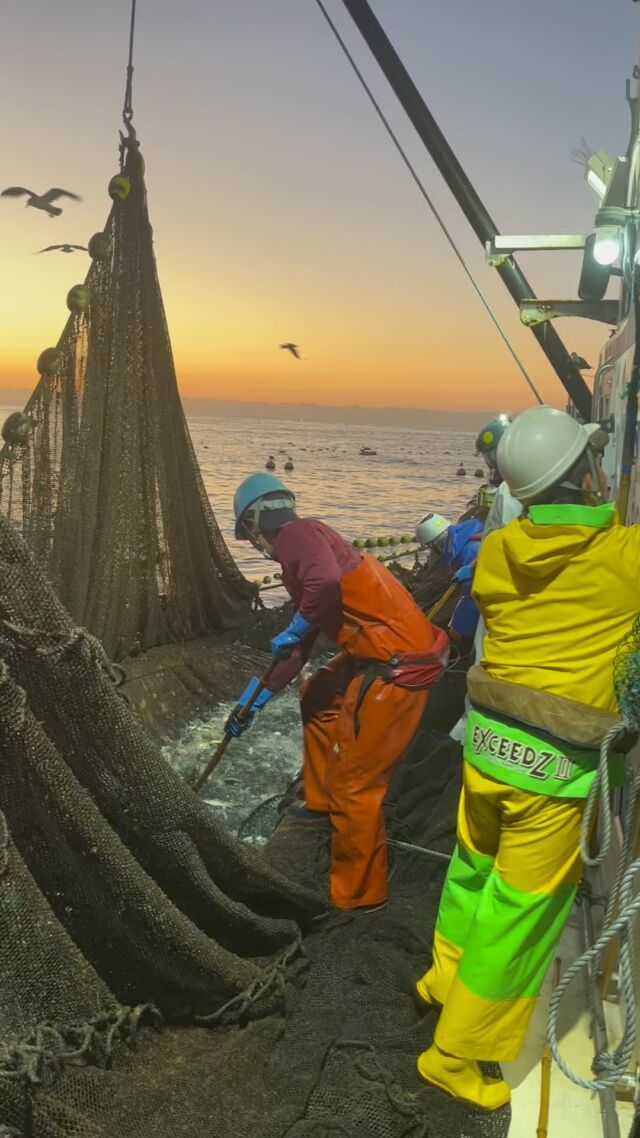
281	212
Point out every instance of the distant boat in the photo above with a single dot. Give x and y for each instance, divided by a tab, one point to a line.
367	450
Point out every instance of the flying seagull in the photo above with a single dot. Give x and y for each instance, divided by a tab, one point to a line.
63	249
293	348
40	201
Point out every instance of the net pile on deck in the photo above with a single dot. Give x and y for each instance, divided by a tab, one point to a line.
106	490
122	902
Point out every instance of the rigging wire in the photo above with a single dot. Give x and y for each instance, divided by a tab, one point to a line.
127	110
425	195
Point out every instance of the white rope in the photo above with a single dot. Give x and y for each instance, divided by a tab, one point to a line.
608	1067
418	849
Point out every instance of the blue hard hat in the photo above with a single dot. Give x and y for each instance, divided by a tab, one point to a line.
254	487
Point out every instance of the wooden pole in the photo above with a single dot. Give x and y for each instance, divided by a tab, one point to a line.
446	596
545	1069
241	713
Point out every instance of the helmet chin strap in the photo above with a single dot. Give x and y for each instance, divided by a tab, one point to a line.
252	519
594	495
256	538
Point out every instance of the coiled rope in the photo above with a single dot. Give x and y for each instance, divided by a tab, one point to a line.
609	1067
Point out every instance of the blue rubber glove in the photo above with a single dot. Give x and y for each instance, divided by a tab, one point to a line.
464	579
283	644
235	726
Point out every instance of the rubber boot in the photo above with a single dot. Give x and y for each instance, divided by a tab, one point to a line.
424	997
462	1079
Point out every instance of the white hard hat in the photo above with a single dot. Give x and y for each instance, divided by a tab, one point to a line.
430	528
539	447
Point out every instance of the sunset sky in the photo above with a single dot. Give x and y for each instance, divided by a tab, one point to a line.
281	210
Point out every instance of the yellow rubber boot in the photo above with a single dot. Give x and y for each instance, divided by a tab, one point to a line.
462	1079
424	994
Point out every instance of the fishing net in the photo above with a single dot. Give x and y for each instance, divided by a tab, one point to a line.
122	901
354	1019
106	489
626	675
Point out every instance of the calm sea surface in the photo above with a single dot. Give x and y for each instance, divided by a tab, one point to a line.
412	472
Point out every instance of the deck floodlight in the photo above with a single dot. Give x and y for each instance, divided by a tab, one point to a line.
608	234
598	171
607	245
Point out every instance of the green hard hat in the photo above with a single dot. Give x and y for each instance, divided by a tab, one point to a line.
490	435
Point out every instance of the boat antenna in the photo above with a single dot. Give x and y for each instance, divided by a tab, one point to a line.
127	110
420	184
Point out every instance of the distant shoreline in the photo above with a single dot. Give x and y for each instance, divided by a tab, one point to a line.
418	418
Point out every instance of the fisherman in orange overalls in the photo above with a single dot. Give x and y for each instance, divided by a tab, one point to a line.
359	711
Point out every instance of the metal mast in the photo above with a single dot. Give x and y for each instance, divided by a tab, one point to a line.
471	205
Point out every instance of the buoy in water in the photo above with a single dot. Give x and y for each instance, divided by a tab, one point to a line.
289	463
270	464
16	429
479	473
460	472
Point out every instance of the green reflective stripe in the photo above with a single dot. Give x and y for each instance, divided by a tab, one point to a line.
468	873
516	756
596	517
513	938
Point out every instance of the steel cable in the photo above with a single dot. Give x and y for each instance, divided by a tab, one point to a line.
432	207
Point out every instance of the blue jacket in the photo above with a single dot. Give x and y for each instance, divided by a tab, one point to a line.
459	553
463	543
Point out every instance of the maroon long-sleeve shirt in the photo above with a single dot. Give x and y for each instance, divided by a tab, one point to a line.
314	560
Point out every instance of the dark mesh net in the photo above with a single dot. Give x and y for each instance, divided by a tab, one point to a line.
626	675
107	491
121	897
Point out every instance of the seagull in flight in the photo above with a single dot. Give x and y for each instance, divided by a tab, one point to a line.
40	201
63	248
293	348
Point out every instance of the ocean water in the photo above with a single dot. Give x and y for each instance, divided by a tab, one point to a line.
413	471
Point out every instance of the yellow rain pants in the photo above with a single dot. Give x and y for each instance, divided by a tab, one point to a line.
510	886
